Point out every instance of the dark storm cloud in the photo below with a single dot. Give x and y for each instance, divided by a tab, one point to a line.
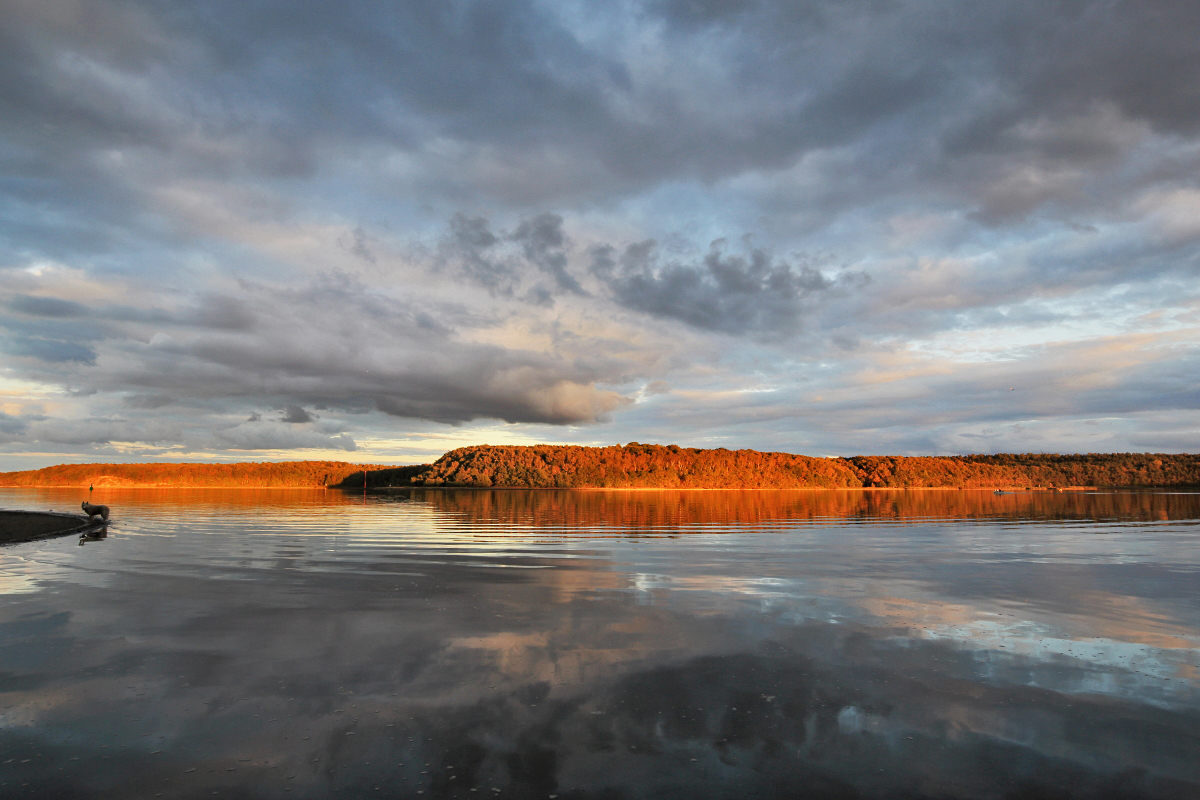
55	351
265	88
46	306
332	343
751	293
24	325
543	242
469	243
504	262
1002	111
368	351
233	90
295	415
1045	57
1011	108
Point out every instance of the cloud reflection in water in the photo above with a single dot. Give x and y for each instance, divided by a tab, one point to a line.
605	644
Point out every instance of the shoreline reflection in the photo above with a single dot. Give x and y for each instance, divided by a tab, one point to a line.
599	645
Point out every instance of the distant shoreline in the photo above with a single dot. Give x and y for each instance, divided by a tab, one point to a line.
451	487
646	467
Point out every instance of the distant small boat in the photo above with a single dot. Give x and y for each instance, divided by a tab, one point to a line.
998	491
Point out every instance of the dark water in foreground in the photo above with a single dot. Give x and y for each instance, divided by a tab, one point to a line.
295	644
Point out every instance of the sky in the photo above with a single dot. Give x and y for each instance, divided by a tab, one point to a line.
376	231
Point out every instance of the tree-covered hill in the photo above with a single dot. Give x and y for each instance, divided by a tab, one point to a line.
657	466
633	466
253	475
1029	470
650	466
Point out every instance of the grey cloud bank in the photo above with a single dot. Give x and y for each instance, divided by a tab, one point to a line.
254	231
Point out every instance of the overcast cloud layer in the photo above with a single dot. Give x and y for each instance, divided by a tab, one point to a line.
376	230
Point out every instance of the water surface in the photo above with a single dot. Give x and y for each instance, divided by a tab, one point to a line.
534	644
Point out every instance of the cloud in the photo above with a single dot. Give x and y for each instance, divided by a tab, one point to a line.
494	100
543	242
11	428
333	343
244	207
295	415
729	293
752	292
46	306
49	350
198	433
281	435
104	430
507	262
469	247
357	242
149	401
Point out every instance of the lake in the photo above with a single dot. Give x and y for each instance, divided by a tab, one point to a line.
604	644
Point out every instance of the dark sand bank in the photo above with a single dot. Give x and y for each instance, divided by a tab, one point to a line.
25	526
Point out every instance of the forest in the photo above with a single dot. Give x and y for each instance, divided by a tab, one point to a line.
670	466
649	466
245	475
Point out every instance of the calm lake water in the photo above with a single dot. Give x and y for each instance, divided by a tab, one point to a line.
541	644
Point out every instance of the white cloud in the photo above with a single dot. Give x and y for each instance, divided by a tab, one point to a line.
186	243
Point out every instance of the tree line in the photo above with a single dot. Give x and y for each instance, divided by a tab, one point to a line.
649	466
280	474
672	467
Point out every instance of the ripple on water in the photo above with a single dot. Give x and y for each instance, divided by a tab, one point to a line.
706	643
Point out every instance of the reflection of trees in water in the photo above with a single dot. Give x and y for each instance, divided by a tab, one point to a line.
678	509
664	508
